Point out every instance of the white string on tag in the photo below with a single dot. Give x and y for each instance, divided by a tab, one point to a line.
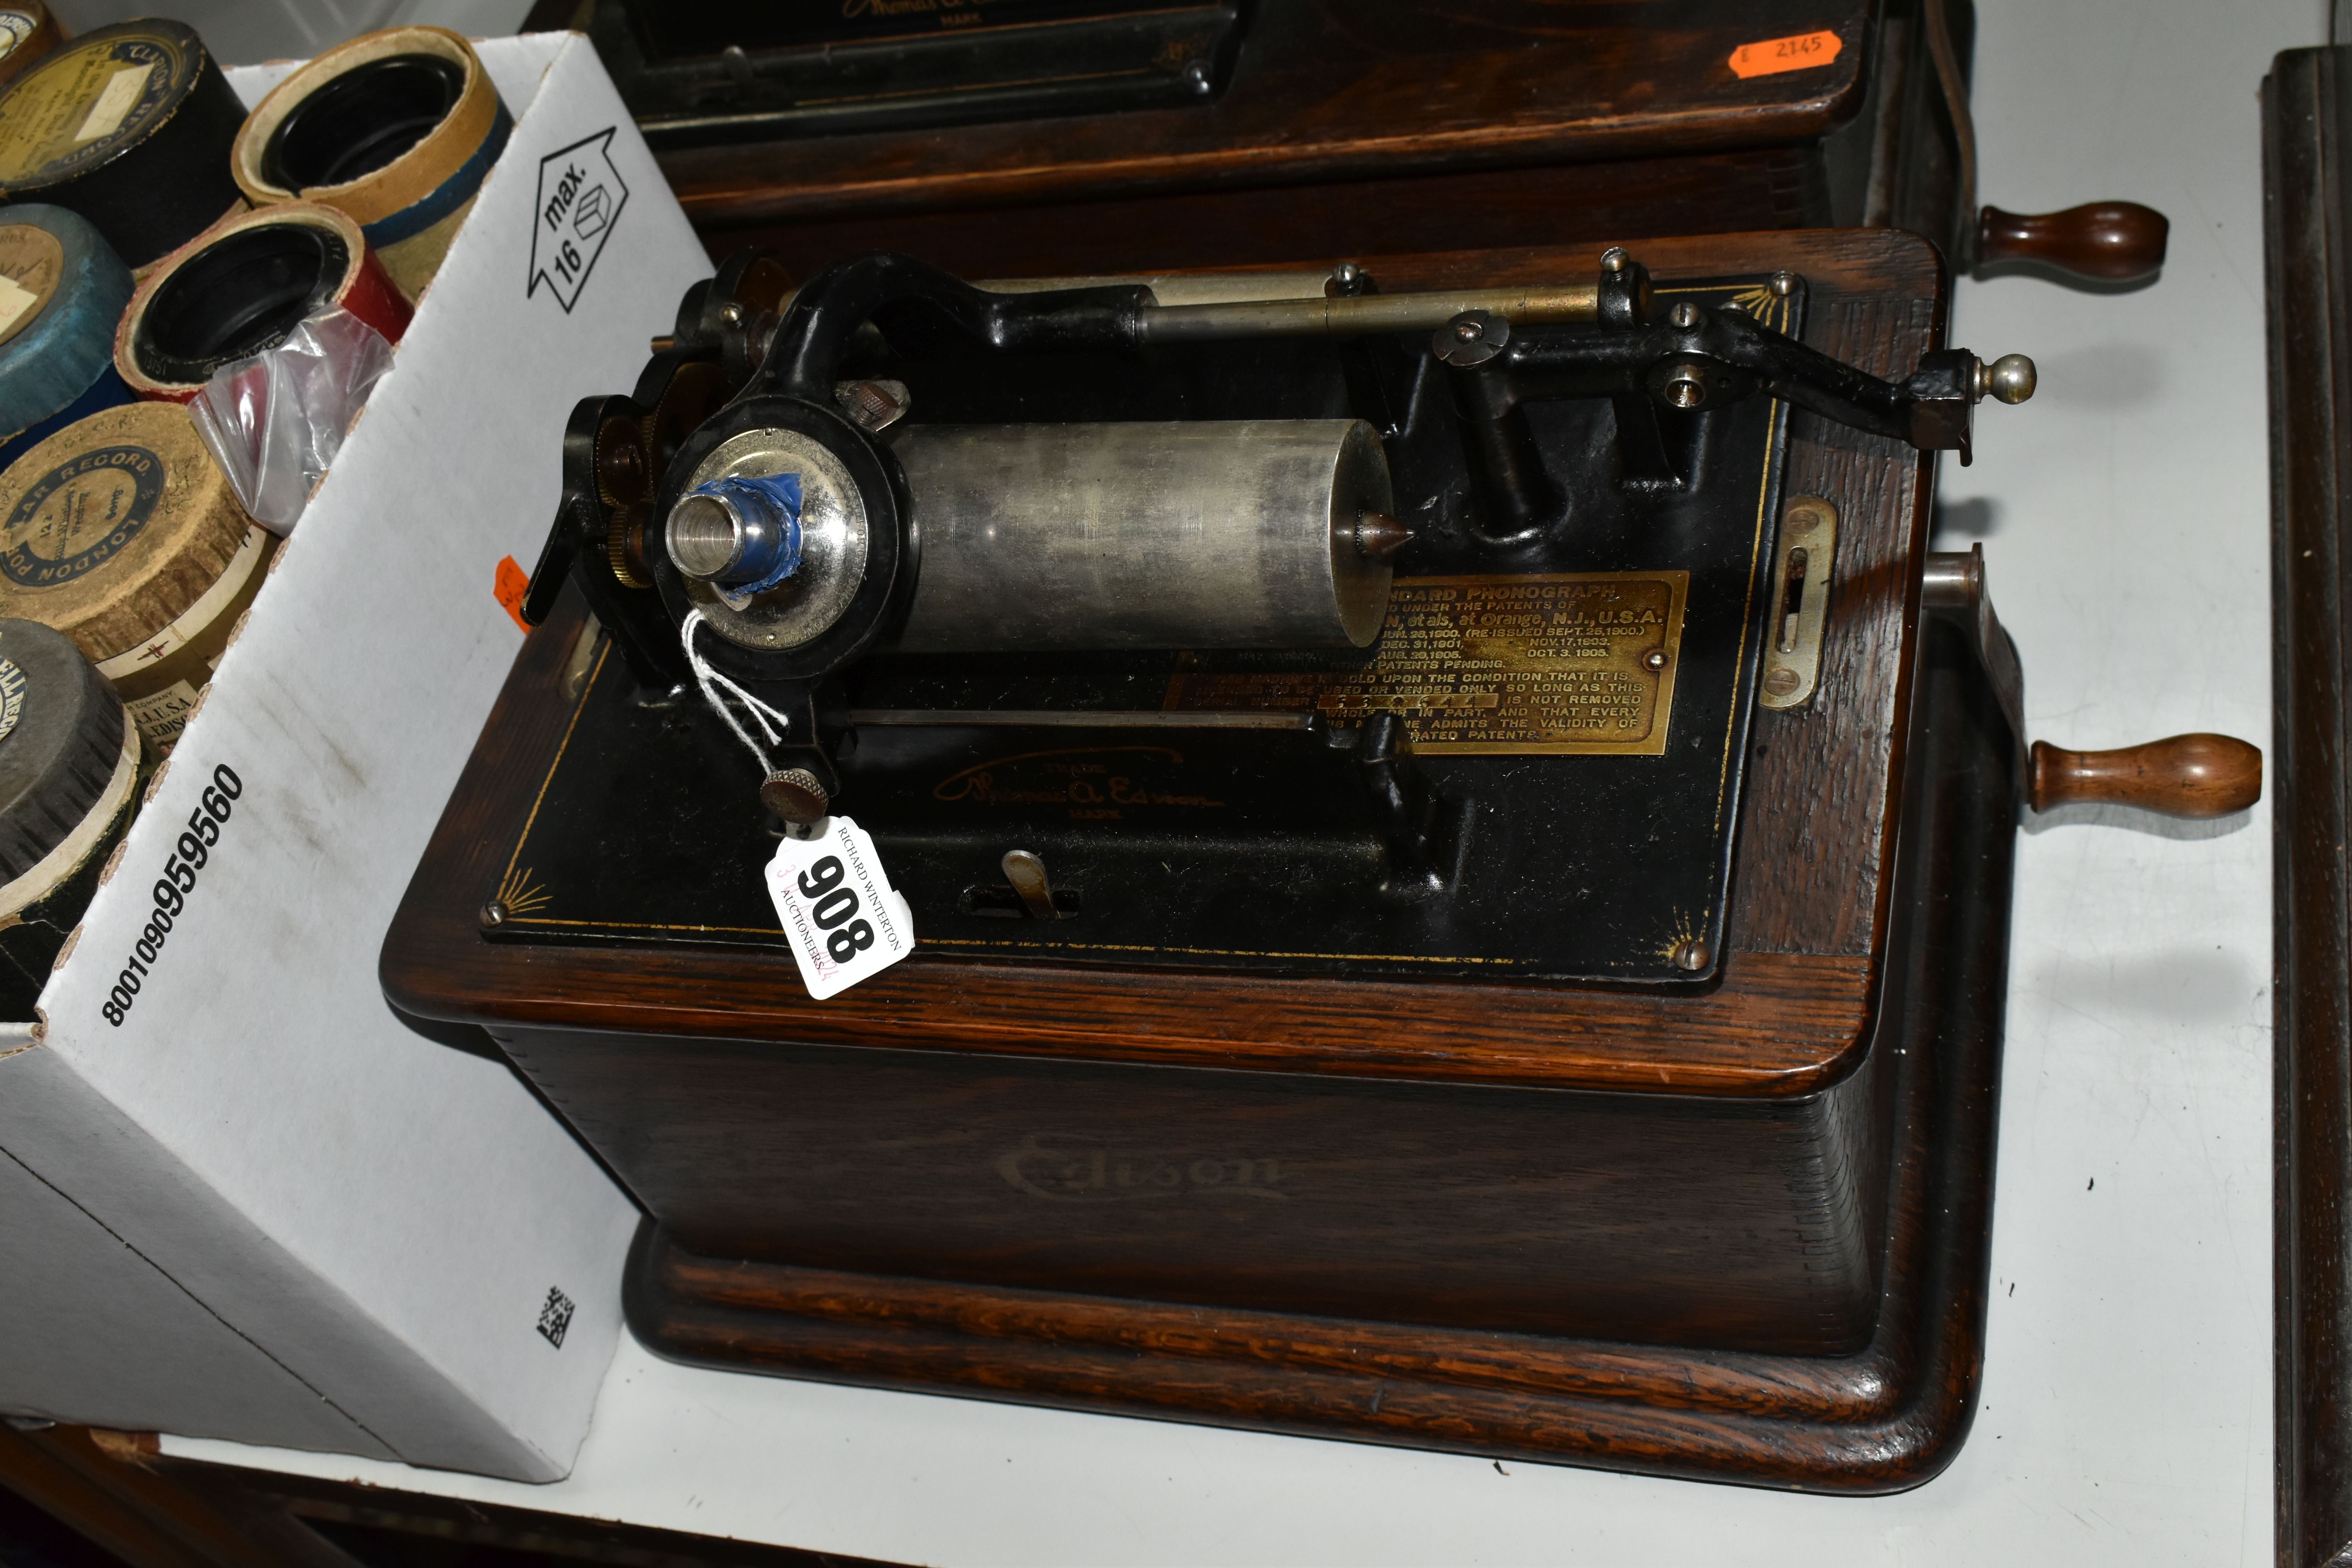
771	723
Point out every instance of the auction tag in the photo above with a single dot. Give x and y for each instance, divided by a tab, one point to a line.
1800	51
510	587
846	922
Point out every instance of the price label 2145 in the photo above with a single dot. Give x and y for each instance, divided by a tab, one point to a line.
844	920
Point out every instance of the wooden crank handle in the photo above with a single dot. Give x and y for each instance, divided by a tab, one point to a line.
2186	776
2103	242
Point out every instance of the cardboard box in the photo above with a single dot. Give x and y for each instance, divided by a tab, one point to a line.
263	1208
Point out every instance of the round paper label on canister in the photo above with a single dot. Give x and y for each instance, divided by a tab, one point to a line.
79	515
117	526
15	26
31	263
80	106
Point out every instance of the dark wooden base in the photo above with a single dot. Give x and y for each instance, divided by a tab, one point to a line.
1883	1419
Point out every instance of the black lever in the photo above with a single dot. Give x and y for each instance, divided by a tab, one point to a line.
1660	373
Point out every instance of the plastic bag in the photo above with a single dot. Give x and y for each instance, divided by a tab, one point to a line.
274	422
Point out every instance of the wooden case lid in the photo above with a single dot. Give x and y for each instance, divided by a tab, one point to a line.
1370	89
115	526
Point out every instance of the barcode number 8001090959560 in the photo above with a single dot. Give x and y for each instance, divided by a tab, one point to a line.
190	855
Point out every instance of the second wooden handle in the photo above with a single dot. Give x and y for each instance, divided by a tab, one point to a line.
2185	775
2105	242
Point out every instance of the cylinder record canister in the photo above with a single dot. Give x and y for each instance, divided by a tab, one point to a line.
131	126
242	288
121	533
397	129
62	290
1203	535
27	32
69	762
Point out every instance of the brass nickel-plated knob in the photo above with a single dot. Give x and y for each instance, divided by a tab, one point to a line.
2194	775
2011	378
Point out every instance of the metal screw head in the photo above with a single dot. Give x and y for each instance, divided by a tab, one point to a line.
1685	315
1685	388
873	404
2011	378
1784	284
1347	274
1780	680
1615	259
1655	659
494	913
1805	514
1470	338
731	313
1196	76
1691	954
795	796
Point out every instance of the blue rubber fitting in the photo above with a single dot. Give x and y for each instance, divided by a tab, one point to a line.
768	508
65	355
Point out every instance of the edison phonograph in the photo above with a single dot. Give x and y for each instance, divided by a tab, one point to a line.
1455	834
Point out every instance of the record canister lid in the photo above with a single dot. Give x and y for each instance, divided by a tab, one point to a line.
116	525
129	125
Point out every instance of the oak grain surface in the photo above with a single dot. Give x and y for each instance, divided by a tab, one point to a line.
1882	1415
1790	1015
1323	92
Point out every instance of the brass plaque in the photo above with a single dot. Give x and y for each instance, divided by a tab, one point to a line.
1567	663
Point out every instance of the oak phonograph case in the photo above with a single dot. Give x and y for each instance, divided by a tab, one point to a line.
1456	840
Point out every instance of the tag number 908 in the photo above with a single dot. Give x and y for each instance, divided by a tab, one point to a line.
831	905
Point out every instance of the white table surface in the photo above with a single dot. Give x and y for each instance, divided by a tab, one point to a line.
2125	1410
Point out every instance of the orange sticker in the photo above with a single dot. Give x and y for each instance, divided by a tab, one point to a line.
512	584
1800	51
